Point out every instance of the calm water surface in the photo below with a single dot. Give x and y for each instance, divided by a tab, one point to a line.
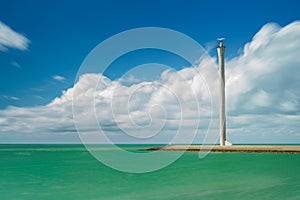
70	172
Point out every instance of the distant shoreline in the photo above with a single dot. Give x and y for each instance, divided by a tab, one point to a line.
247	148
291	149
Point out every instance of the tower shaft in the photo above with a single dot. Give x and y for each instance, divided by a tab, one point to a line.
221	52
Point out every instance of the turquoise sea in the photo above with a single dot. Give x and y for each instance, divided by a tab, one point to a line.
70	172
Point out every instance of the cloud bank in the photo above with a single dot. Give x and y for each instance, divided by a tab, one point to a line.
11	39
263	100
264	79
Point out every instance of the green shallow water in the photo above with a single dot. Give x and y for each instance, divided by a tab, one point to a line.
70	172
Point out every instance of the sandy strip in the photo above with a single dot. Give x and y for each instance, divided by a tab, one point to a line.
234	148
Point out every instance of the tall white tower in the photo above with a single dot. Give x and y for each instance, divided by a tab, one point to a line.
221	51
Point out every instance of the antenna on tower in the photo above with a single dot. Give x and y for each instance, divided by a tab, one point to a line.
221	40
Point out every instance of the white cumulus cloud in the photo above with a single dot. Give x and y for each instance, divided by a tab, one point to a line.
265	77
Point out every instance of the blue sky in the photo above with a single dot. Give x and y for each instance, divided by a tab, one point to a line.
59	35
